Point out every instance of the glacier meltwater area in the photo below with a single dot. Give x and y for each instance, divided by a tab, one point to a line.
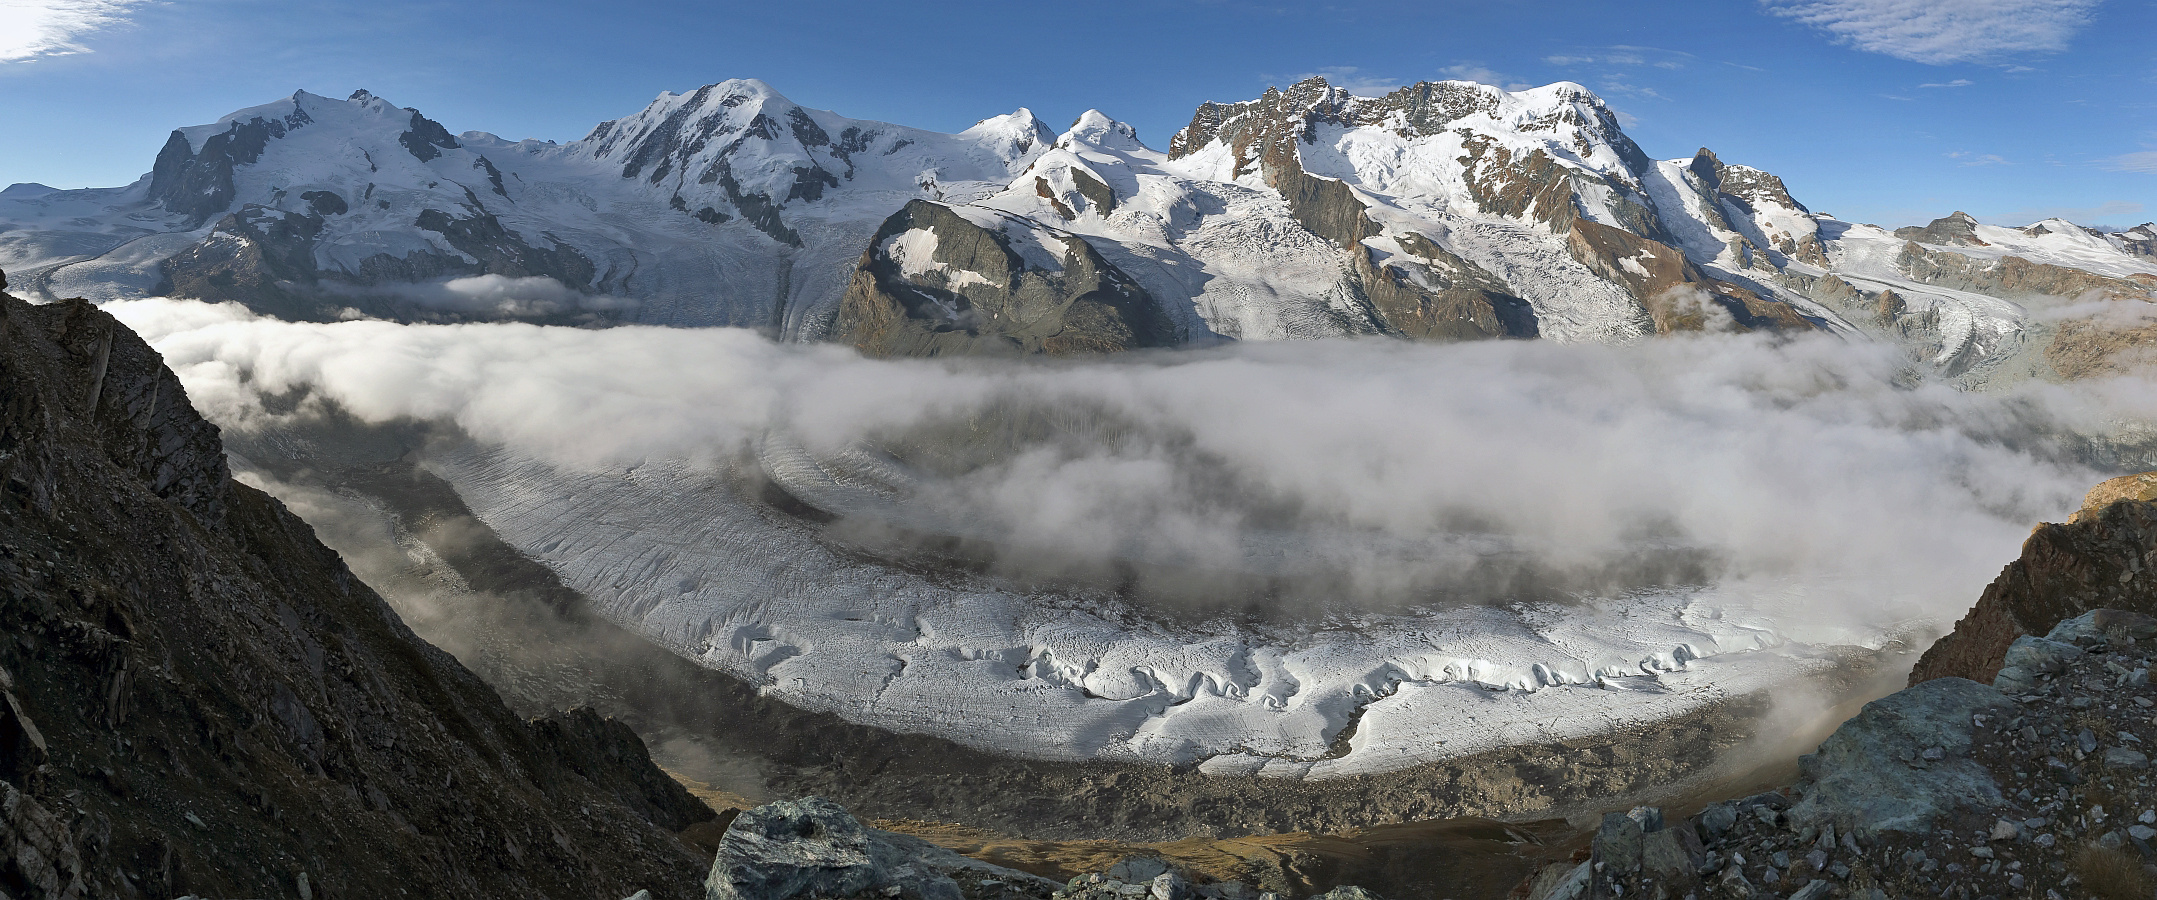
1826	499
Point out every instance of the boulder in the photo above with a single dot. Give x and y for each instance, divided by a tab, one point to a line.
815	848
1901	763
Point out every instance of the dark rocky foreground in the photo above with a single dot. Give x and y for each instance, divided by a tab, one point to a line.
201	698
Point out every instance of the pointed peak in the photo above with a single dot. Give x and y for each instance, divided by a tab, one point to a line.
362	95
1098	129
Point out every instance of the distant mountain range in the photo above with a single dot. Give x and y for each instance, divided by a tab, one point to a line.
1444	211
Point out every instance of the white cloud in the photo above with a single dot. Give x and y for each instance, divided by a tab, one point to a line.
1624	55
1957	83
2144	161
1807	460
1355	80
1929	31
1481	74
1978	159
33	29
1613	85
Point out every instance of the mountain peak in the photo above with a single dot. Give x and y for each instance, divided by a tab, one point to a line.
1097	128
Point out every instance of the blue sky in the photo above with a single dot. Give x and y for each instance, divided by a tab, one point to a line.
1888	111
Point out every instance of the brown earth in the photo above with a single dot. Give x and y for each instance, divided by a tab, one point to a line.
2092	348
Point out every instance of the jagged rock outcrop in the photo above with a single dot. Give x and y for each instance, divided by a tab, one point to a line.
1746	192
2107	558
935	282
2141	240
199	697
1957	229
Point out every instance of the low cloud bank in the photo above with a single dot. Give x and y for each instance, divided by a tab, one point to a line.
493	296
1814	470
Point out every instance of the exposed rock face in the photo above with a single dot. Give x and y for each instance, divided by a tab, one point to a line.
2142	487
2108	558
1673	292
1435	295
2013	277
200	698
936	283
2095	348
2141	240
1751	190
813	848
1958	229
265	258
1441	296
199	184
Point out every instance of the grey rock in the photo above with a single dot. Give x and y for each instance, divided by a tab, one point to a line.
1650	818
1618	844
1574	886
2041	655
2004	830
1857	782
2141	832
2099	625
1138	869
1170	886
2085	741
1716	821
1817	890
814	848
1348	892
2123	758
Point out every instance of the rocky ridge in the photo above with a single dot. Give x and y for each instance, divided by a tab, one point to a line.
1441	211
199	697
2102	558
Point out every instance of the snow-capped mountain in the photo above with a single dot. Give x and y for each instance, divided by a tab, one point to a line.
1444	210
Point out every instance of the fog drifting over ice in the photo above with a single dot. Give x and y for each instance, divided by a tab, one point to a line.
1752	458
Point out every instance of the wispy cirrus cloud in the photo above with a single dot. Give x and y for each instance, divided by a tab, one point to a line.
36	29
2144	162
1968	158
1358	81
1623	55
1481	74
1957	83
1928	31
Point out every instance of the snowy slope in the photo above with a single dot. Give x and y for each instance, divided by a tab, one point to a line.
1307	212
769	206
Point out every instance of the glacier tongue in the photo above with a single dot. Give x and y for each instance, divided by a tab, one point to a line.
671	552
